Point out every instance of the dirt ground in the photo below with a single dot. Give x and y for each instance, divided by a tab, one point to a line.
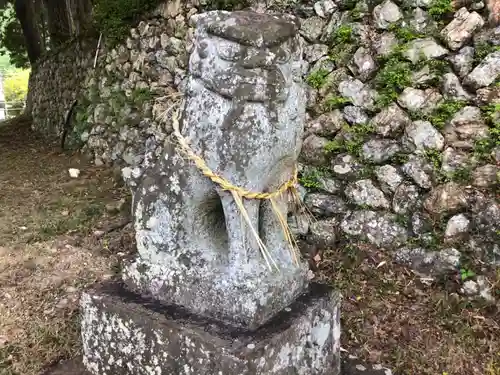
55	240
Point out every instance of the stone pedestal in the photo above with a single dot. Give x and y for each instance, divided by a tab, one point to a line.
199	298
126	335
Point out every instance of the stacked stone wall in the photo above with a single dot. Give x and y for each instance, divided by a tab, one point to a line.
402	142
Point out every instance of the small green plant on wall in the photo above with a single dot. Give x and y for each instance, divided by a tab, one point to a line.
115	17
342	44
440	8
483	147
483	49
311	178
466	274
405	33
227	4
141	96
317	78
395	75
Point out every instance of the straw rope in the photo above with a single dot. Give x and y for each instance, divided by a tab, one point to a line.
239	193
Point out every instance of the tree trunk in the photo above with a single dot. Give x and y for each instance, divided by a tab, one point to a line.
83	14
58	21
24	13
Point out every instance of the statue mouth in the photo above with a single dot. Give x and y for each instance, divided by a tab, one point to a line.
238	83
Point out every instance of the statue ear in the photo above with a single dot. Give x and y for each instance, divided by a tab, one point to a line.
202	19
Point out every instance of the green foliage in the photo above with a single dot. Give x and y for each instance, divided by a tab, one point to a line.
332	102
395	75
405	33
352	142
435	158
466	274
141	95
347	4
444	112
16	85
342	44
483	49
437	69
440	8
399	158
317	78
12	44
79	123
342	53
228	5
483	147
343	35
334	146
492	113
5	63
114	17
462	174
311	178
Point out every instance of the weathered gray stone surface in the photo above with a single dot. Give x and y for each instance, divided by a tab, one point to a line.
386	14
358	93
466	126
388	177
458	31
463	61
457	225
421	135
246	122
363	64
349	365
486	72
419	100
325	204
426	48
453	89
419	169
380	229
123	335
364	193
313	150
380	150
429	262
390	120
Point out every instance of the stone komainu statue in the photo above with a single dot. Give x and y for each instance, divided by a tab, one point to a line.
244	115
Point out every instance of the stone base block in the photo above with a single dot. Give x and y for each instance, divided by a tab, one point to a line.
126	335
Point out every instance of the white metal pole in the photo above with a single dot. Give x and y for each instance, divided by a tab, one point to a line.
3	105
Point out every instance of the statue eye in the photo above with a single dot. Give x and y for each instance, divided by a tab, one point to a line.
283	56
230	51
202	49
